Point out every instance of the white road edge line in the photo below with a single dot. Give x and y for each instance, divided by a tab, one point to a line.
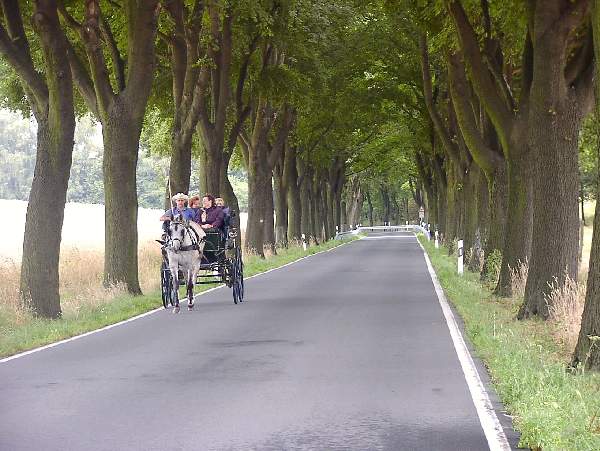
120	323
490	424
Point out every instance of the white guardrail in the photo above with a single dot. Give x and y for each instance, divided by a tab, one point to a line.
415	228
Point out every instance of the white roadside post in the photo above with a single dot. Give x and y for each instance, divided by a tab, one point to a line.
437	243
460	257
304	241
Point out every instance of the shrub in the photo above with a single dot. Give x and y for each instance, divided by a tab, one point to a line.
491	268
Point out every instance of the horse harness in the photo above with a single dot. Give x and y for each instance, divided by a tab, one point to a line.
196	240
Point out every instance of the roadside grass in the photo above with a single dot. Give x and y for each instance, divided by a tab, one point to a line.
88	306
552	408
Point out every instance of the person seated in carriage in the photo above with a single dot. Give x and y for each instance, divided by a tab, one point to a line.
219	202
195	203
211	216
226	215
179	209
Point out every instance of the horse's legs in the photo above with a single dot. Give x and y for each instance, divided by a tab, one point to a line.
175	289
190	288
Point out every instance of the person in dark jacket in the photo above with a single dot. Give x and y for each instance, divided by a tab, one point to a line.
211	216
219	202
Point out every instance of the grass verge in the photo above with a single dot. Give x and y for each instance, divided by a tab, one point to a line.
21	331
552	408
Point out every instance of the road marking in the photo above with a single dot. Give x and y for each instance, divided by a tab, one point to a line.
120	323
381	237
494	433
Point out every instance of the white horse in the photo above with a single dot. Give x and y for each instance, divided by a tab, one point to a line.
184	252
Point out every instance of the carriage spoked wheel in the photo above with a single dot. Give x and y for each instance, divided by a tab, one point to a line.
238	277
166	285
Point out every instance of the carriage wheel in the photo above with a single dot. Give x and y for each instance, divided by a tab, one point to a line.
238	277
166	285
238	255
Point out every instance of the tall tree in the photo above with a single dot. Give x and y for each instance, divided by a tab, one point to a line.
118	98
587	351
510	119
189	79
49	90
561	94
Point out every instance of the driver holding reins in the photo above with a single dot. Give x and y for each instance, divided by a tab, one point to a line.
180	209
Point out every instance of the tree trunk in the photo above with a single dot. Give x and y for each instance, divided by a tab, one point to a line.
230	199
294	212
305	224
370	208
481	225
498	206
121	142
259	196
451	208
344	225
385	203
212	168
50	97
327	223
315	210
556	111
305	198
269	237
290	176
555	213
281	210
517	241
180	168
337	211
587	353
258	186
39	284
471	215
355	200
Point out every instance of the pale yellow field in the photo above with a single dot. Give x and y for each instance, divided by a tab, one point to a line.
83	227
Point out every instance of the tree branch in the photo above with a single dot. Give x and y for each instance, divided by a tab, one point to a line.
574	15
239	96
82	79
142	27
438	124
99	71
483	82
118	63
15	48
236	129
485	157
281	136
583	58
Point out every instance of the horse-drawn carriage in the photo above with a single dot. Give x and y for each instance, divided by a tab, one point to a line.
209	256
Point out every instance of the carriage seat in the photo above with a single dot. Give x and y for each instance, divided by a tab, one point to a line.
213	245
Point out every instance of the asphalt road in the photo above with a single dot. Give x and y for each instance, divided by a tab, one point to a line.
347	349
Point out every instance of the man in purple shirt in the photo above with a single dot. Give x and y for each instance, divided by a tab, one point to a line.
211	216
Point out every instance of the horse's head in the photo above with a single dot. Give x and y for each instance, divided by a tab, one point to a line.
177	232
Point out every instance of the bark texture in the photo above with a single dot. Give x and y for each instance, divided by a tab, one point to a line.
560	97
120	107
587	351
51	100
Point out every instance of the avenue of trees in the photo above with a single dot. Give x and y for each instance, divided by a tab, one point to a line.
483	113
